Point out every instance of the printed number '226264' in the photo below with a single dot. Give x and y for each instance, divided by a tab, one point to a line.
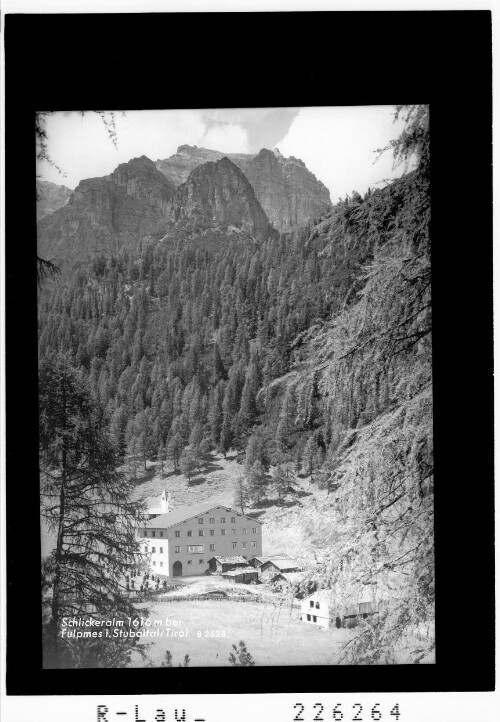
370	714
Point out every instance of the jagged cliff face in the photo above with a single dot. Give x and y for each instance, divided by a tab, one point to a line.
220	194
287	191
108	213
50	197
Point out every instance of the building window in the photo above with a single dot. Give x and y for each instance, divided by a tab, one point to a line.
234	531
177	534
235	544
200	532
146	548
153	549
190	533
233	520
254	530
212	547
177	550
311	603
254	544
190	561
315	619
161	550
161	564
212	520
154	564
317	605
200	561
196	549
161	534
223	532
245	531
212	532
308	617
223	520
200	520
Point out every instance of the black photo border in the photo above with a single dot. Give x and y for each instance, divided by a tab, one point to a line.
126	62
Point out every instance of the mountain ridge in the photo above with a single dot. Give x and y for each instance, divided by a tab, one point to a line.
287	191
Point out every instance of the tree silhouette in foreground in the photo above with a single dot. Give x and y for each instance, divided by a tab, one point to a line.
85	503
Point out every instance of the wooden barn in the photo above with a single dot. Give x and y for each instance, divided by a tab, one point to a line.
257	562
241	575
221	564
277	565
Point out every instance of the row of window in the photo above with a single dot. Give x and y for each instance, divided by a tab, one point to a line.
198	549
189	533
311	604
315	619
212	520
190	561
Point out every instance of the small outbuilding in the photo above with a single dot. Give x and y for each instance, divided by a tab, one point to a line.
277	565
221	564
257	562
241	575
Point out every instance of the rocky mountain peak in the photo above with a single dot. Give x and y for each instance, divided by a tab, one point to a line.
287	191
50	197
109	213
219	192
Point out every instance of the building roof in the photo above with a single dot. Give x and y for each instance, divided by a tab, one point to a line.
283	563
293	577
185	513
230	560
322	595
241	570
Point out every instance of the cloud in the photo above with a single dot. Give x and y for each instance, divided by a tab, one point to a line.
338	145
226	137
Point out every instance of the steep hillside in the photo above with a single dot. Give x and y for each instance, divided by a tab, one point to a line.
108	214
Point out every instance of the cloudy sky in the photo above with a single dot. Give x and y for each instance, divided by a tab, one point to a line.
337	144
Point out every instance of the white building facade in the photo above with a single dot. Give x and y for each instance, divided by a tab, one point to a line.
180	543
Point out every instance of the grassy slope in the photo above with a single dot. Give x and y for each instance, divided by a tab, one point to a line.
292	529
274	635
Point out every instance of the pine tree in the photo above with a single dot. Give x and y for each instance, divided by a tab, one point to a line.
286	424
249	408
188	463
174	449
241	497
280	483
85	502
256	480
241	657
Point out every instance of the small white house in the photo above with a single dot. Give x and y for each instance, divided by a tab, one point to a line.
324	609
317	609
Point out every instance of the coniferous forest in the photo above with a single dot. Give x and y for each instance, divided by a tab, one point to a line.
305	352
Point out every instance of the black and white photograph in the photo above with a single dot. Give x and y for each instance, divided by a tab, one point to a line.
235	386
